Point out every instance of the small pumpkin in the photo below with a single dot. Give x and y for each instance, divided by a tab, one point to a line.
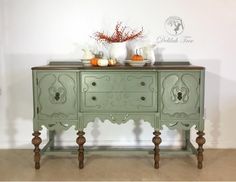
137	57
111	62
102	62
94	61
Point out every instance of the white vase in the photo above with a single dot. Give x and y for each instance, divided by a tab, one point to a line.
118	51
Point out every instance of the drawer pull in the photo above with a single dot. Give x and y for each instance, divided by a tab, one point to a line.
143	98
94	98
142	83
93	83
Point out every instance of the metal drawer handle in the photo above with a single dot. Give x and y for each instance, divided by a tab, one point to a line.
94	98
142	83
93	83
142	98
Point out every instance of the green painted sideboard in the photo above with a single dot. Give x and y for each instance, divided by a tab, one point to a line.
70	94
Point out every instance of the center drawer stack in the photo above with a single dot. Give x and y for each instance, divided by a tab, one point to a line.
118	91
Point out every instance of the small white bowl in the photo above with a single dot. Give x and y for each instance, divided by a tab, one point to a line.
137	63
86	62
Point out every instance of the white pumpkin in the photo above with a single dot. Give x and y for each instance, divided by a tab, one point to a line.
111	62
102	62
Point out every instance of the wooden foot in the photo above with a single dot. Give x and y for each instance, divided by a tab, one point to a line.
200	141
36	142
80	141
156	140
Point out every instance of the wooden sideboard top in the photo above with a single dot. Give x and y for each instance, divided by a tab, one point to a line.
156	66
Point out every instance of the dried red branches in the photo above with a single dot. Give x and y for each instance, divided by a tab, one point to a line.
120	34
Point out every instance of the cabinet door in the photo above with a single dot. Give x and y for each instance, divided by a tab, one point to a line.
179	95
56	95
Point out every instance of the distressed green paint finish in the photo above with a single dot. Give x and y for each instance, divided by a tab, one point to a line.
120	118
180	99
200	125
57	95
118	91
55	99
66	98
118	81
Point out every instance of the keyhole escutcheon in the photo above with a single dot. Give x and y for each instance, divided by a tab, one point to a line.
179	96
57	96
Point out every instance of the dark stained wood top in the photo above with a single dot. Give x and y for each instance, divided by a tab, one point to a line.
156	66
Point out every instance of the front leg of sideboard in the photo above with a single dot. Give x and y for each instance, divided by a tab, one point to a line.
80	141
156	140
200	141
36	141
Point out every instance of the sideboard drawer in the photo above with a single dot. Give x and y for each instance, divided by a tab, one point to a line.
115	101
118	91
118	81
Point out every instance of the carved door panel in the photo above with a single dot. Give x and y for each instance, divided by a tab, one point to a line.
56	95
179	95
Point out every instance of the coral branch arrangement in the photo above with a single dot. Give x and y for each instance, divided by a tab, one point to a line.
121	34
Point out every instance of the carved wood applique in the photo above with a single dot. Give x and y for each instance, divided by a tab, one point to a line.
180	92
57	93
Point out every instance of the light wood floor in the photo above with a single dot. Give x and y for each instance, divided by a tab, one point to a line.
117	166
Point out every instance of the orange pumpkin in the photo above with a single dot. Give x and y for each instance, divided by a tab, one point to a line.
137	57
94	61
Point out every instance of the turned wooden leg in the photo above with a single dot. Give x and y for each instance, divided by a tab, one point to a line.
36	142
200	141
156	140
80	141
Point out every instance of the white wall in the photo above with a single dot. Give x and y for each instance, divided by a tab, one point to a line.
34	31
2	98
